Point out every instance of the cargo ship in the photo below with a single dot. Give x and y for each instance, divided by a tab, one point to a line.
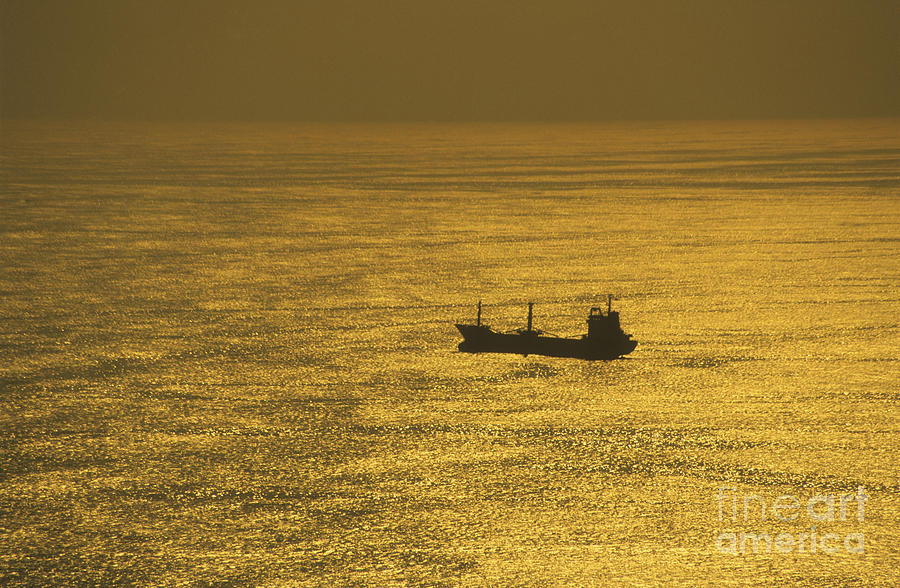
605	338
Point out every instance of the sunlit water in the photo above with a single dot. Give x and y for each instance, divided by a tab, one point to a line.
229	353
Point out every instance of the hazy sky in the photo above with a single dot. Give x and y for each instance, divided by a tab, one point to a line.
449	60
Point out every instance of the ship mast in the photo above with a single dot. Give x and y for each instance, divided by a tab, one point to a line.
478	321
530	307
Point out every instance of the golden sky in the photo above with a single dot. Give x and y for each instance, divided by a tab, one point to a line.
449	60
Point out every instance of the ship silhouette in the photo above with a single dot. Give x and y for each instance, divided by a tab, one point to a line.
605	338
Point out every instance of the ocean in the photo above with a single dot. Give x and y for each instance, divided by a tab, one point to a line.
229	354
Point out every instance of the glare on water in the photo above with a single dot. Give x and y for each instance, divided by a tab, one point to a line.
229	352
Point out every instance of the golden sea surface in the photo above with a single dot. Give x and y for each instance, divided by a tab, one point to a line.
229	354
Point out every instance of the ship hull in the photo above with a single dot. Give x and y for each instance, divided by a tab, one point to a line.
482	339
